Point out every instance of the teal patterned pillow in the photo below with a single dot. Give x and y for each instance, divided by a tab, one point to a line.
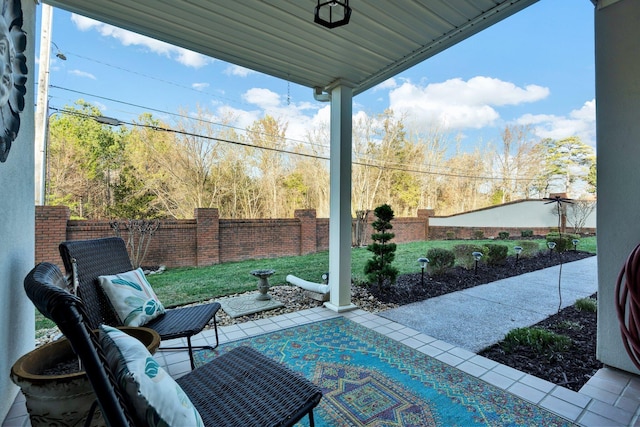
158	400
132	298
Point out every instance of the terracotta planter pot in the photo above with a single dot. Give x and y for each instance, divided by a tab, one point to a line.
65	399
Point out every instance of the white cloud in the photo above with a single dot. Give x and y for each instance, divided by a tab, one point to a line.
299	118
240	118
387	84
322	116
236	70
459	104
580	122
82	74
128	38
263	98
200	86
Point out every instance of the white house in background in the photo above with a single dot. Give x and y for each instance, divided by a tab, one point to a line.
519	214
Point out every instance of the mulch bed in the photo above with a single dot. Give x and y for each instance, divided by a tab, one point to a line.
571	368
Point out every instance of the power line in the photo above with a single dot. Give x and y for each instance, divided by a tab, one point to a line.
400	167
147	76
176	114
293	153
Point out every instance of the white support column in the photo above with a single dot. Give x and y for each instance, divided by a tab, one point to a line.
617	41
340	200
42	104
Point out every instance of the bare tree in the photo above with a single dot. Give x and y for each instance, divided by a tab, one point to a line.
516	164
578	213
313	171
269	163
460	191
365	179
432	148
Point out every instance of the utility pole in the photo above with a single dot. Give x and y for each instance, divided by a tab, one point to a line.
42	105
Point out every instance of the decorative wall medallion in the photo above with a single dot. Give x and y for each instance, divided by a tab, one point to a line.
13	73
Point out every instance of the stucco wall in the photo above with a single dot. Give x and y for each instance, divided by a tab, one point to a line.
17	234
520	214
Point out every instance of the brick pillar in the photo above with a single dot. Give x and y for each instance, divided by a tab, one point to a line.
308	230
424	214
51	230
207	236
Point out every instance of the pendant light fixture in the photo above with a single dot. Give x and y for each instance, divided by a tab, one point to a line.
332	13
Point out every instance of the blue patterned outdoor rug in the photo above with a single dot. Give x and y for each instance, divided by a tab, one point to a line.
369	379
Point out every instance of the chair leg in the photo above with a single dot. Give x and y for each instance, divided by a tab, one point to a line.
198	347
215	328
311	423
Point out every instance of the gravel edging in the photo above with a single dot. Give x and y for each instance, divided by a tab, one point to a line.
291	296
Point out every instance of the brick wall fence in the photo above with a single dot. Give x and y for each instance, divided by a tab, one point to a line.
207	239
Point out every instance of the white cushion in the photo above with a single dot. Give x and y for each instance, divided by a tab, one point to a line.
132	297
157	398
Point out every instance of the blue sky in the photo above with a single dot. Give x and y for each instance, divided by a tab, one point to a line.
535	68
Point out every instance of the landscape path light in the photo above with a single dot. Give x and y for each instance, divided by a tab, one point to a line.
551	246
424	262
477	256
518	250
575	244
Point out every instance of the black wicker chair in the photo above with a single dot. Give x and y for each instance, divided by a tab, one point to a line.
86	260
239	388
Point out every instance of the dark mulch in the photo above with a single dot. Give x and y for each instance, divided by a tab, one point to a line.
570	369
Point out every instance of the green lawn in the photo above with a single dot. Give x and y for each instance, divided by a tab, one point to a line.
185	285
177	286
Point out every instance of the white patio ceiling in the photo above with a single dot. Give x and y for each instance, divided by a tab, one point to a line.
279	37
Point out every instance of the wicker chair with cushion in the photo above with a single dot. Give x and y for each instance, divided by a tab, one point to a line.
86	261
239	388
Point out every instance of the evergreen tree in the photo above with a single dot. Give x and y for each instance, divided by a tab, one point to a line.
379	269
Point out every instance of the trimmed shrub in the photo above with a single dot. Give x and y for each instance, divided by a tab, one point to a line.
464	257
538	339
503	235
526	233
451	235
378	269
496	253
563	242
440	260
530	248
478	234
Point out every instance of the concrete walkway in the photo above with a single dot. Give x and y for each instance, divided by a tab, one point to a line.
478	317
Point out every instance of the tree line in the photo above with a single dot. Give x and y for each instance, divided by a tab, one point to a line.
154	169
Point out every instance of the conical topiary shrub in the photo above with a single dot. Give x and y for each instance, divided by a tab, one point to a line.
379	269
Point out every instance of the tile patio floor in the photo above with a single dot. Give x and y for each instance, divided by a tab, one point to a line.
610	398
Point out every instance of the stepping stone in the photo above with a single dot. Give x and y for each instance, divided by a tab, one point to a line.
247	304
